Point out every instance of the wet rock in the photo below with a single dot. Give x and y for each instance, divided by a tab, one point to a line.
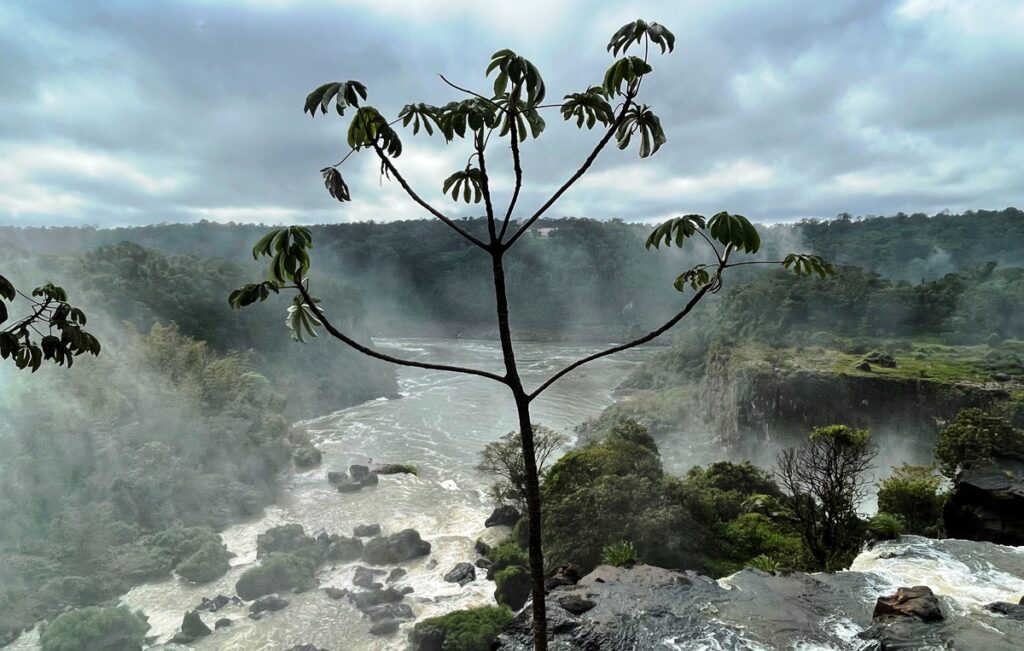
358	472
365	600
462	574
406	589
503	516
386	627
885	360
218	602
336	593
431	564
223	622
896	635
364	577
395	469
192	627
863	366
1013	611
366	530
344	549
561	576
427	639
287	538
501	564
270	602
483	563
307	456
988	504
337	477
390	611
396	574
482	548
512	587
402	546
306	647
918	601
576	604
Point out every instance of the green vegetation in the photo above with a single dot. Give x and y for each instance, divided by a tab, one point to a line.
974	438
886	526
504	458
462	630
913	494
619	554
512	586
278	572
96	629
210	562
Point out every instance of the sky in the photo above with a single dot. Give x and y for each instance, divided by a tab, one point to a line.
139	112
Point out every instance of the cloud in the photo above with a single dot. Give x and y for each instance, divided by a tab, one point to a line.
119	112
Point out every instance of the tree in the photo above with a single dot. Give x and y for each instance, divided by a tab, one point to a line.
504	458
914	494
975	438
27	345
825	483
510	114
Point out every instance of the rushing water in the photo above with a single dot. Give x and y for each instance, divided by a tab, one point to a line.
440	424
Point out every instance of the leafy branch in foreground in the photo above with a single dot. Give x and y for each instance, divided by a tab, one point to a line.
53	330
510	114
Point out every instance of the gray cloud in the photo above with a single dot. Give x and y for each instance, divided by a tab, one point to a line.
125	112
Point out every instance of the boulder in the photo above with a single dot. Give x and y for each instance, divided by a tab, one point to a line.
344	549
503	516
366	530
402	546
358	472
919	602
482	548
885	360
270	602
483	562
385	627
389	611
395	469
336	593
306	456
497	566
427	639
576	604
366	600
462	574
863	366
364	577
218	602
276	574
223	622
562	575
988	504
396	574
1013	611
336	477
192	626
512	587
287	538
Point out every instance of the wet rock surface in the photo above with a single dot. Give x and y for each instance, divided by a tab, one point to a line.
988	504
462	574
402	546
918	601
503	516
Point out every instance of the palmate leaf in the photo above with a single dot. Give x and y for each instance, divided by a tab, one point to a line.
7	290
336	184
344	94
301	321
468	182
520	73
253	292
588	107
369	128
627	70
640	119
634	32
696	278
735	230
677	229
420	115
802	263
528	120
287	248
471	115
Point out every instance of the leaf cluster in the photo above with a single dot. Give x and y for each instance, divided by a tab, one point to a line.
345	94
64	338
634	32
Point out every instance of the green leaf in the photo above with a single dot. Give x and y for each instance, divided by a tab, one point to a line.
420	115
640	119
735	230
588	107
344	94
696	278
677	228
629	70
521	73
335	184
7	290
807	264
634	32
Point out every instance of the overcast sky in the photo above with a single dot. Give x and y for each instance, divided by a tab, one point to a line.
138	112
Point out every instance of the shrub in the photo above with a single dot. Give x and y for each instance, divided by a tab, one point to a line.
975	438
95	629
912	493
620	554
508	550
208	563
764	562
276	573
512	586
886	526
182	542
463	630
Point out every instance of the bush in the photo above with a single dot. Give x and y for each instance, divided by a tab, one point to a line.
886	526
620	554
96	629
912	493
975	438
463	630
208	563
276	573
752	535
182	542
512	586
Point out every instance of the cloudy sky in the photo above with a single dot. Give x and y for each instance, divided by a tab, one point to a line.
138	112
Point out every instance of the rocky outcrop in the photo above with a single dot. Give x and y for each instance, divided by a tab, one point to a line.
512	587
192	628
918	601
218	602
503	516
270	602
462	574
364	577
366	530
1013	611
402	546
306	456
988	504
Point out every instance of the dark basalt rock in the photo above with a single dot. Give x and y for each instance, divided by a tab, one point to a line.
358	472
402	546
462	574
288	538
364	577
337	477
483	563
863	366
427	639
336	593
918	601
365	600
307	456
192	628
988	504
513	590
390	611
1013	611
395	469
366	530
223	622
385	627
397	574
503	516
344	549
885	360
218	602
500	564
576	604
561	576
270	602
482	548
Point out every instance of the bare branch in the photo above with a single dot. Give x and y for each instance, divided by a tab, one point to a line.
514	143
415	197
580	172
626	346
469	92
337	334
485	189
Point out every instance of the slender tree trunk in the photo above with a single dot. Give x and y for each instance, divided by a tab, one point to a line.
540	638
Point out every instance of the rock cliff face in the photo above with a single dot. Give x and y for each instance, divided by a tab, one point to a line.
988	504
752	401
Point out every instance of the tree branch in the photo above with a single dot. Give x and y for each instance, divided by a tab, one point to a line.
370	352
469	92
580	172
514	134
415	197
626	346
485	189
